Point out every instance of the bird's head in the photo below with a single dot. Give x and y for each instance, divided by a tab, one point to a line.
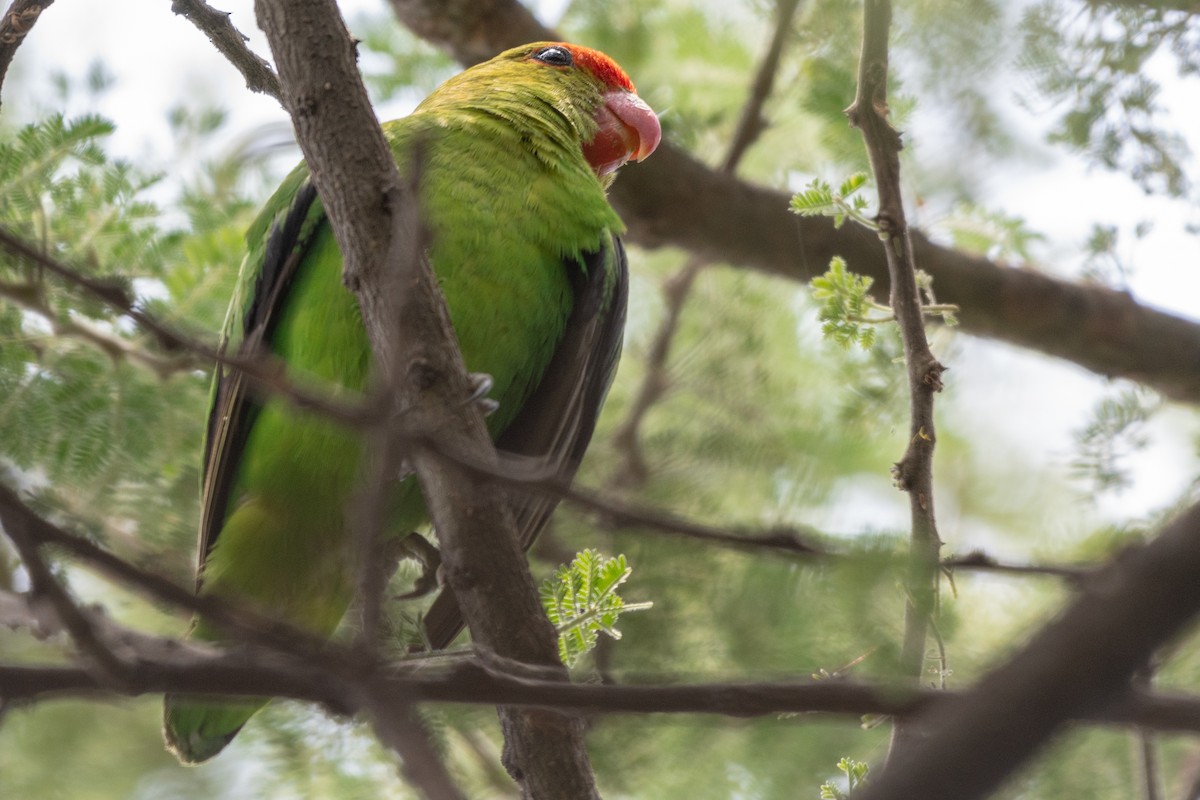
585	88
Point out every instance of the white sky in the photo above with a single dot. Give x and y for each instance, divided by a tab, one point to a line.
159	60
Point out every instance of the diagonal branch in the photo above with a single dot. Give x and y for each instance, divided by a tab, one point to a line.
914	472
242	623
1081	663
45	586
18	20
265	375
231	43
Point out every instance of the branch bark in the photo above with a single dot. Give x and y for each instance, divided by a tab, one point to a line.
1079	664
164	665
674	200
231	42
414	347
18	20
914	471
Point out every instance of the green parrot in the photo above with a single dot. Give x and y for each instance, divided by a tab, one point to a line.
516	155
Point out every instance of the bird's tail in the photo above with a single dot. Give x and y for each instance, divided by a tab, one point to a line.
197	728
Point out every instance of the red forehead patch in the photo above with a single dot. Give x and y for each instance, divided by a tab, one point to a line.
601	66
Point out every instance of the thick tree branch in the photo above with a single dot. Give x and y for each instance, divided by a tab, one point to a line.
164	665
18	20
414	346
914	471
674	200
472	31
1077	665
231	43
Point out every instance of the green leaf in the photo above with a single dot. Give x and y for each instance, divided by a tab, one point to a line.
581	600
845	305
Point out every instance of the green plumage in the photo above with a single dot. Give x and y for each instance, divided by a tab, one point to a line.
524	248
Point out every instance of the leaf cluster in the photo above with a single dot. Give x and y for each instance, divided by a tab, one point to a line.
845	306
856	777
581	601
1094	58
1116	430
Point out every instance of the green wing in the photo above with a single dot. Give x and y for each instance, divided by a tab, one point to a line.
557	420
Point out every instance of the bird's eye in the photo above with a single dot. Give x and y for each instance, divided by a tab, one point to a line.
555	56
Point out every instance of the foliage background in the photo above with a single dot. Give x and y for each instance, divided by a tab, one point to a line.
764	424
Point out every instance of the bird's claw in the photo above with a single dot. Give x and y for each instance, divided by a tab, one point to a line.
480	384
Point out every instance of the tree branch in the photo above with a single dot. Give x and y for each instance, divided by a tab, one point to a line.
18	20
240	623
914	471
410	335
231	43
264	374
44	585
163	665
674	200
1079	664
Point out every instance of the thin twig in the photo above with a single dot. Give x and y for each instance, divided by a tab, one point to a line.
15	26
43	584
384	454
29	297
243	623
632	471
218	27
800	541
914	471
264	374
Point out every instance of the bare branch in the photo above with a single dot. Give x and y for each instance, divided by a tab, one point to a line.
163	665
45	586
231	43
472	30
803	542
632	470
914	472
15	26
241	623
29	297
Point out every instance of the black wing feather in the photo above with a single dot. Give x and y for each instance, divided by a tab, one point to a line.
234	408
